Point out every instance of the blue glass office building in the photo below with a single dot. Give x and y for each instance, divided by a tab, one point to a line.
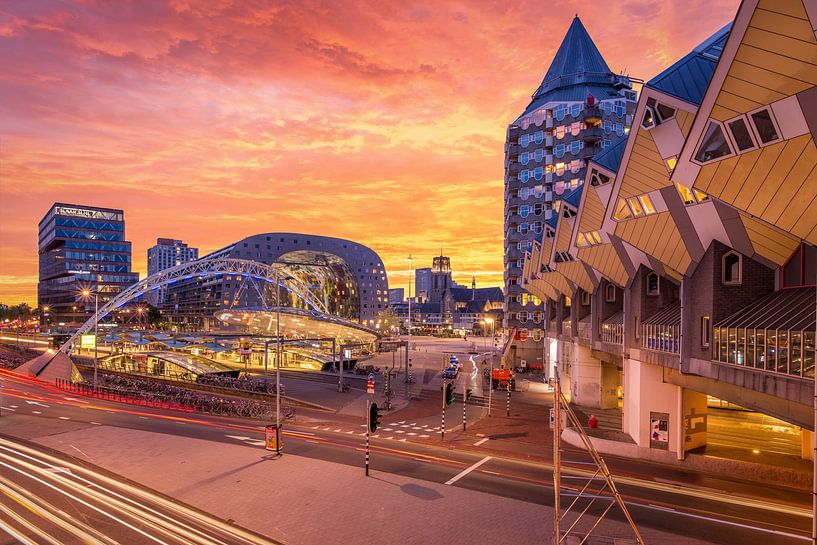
81	247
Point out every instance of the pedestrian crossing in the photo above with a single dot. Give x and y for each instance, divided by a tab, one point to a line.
399	431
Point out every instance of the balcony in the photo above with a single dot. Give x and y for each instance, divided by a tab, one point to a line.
584	329
593	134
567	327
662	331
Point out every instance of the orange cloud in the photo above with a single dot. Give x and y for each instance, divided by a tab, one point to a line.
381	122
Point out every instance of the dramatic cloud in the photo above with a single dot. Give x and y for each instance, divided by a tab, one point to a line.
210	121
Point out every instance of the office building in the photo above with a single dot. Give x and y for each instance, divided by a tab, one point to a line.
168	253
81	248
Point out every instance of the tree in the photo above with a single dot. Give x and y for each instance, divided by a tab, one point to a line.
388	320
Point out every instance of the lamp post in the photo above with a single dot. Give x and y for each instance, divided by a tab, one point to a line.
278	281
43	314
87	293
408	342
491	374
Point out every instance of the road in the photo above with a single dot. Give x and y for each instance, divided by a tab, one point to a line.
712	509
48	499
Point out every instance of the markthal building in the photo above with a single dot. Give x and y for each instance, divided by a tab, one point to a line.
319	287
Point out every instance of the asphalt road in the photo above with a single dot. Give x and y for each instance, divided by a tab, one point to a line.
46	498
713	509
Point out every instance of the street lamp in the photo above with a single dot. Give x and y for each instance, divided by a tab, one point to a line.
278	281
87	293
491	374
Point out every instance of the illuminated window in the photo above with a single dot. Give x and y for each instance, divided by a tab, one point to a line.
596	237
560	132
622	211
635	207
686	194
671	162
581	242
646	204
700	195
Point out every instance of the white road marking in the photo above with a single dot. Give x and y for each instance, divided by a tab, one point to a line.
411	433
36	403
350	431
478	443
257	443
239	437
7	409
64	418
465	472
730	523
404	439
36	412
424	435
13	406
98	424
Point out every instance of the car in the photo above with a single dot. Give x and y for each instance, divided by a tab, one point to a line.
451	372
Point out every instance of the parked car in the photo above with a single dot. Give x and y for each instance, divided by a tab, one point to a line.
451	372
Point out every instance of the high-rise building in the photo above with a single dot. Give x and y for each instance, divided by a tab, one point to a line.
169	252
81	247
580	108
397	296
422	283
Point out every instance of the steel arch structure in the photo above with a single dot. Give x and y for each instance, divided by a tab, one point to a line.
276	273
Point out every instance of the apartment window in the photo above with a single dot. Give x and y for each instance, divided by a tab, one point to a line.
664	112
765	127
741	136
714	144
597	178
732	268
610	293
585	298
653	284
636	327
648	121
705	331
622	211
635	207
646	204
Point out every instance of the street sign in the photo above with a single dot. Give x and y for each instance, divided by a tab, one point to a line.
370	387
87	341
563	418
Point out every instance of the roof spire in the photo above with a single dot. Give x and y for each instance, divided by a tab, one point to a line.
577	62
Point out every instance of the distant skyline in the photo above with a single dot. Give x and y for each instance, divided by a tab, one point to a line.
383	123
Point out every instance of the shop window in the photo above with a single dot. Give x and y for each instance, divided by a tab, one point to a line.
653	284
610	293
764	125
732	269
705	331
714	144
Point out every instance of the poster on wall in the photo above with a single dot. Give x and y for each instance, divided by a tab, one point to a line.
659	430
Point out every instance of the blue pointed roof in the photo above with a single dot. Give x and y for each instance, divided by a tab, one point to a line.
578	69
688	78
610	158
574	197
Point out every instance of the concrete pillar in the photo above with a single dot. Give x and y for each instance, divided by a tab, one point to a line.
807	445
609	386
647	400
586	378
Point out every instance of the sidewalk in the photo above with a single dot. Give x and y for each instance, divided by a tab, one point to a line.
302	501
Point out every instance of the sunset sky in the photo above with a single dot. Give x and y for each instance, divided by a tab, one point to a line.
381	122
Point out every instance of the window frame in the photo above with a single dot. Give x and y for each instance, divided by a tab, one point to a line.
737	282
749	127
657	291
700	142
706	331
756	133
608	289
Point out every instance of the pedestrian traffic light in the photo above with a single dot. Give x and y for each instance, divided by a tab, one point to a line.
449	394
468	393
374	418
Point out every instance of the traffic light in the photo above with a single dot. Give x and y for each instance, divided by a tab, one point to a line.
374	418
449	394
468	393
